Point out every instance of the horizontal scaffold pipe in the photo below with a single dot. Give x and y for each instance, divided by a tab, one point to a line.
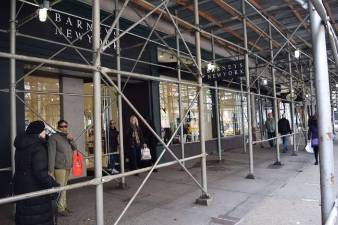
91	182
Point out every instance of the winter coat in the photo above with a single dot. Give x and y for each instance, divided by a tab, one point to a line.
113	141
313	132
60	152
270	125
129	137
31	174
284	126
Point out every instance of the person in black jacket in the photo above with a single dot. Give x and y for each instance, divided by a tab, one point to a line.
134	141
31	174
113	142
284	129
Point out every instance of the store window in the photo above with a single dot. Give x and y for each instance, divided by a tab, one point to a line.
169	103
231	113
40	104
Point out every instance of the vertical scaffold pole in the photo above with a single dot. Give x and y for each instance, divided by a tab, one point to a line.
292	114
97	111
119	98
312	107
204	198
326	162
248	98
278	162
243	118
218	123
12	85
180	108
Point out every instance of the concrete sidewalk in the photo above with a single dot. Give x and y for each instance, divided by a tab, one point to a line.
279	195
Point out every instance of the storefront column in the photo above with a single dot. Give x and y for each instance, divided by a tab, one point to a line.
275	100
205	197
97	111
292	103
12	84
119	98
326	159
247	73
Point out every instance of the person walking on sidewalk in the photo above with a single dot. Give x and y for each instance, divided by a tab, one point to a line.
284	129
113	143
60	150
313	136
31	174
270	127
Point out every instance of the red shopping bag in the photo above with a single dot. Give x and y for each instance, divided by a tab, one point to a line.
77	164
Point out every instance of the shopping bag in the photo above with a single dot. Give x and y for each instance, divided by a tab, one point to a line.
77	168
308	147
145	153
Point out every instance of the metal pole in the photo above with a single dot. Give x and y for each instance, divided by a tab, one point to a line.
218	122
311	89
247	73
97	111
278	162
12	82
243	118
181	112
119	98
324	114
292	114
205	197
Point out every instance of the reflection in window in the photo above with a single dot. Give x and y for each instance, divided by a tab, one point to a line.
170	112
40	104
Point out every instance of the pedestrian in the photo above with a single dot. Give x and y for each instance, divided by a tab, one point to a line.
270	127
284	129
313	136
134	141
31	174
113	142
60	150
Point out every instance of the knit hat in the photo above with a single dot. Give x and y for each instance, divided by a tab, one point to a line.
35	127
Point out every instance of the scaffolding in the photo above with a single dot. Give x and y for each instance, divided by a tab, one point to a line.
297	80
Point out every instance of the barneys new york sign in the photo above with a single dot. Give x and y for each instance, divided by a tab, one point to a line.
74	28
225	71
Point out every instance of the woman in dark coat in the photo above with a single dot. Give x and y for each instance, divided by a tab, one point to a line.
31	174
134	140
313	136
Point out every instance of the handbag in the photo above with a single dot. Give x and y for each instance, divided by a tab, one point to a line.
308	147
77	168
145	153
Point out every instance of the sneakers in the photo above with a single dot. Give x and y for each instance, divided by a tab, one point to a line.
113	171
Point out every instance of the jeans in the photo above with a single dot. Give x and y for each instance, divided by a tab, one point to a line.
61	176
271	135
111	161
285	143
134	157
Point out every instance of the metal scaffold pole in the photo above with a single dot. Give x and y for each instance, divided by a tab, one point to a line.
292	114
218	122
205	197
97	111
119	98
247	73
243	118
326	159
275	106
12	84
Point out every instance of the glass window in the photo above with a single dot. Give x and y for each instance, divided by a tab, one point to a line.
169	103
231	113
40	104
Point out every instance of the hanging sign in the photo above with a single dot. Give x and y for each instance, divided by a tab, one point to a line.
224	71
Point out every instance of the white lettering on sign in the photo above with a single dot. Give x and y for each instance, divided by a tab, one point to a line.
74	28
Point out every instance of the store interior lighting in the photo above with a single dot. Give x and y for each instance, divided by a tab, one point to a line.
265	82
297	53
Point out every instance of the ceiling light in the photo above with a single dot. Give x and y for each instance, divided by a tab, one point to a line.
265	82
43	11
297	53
